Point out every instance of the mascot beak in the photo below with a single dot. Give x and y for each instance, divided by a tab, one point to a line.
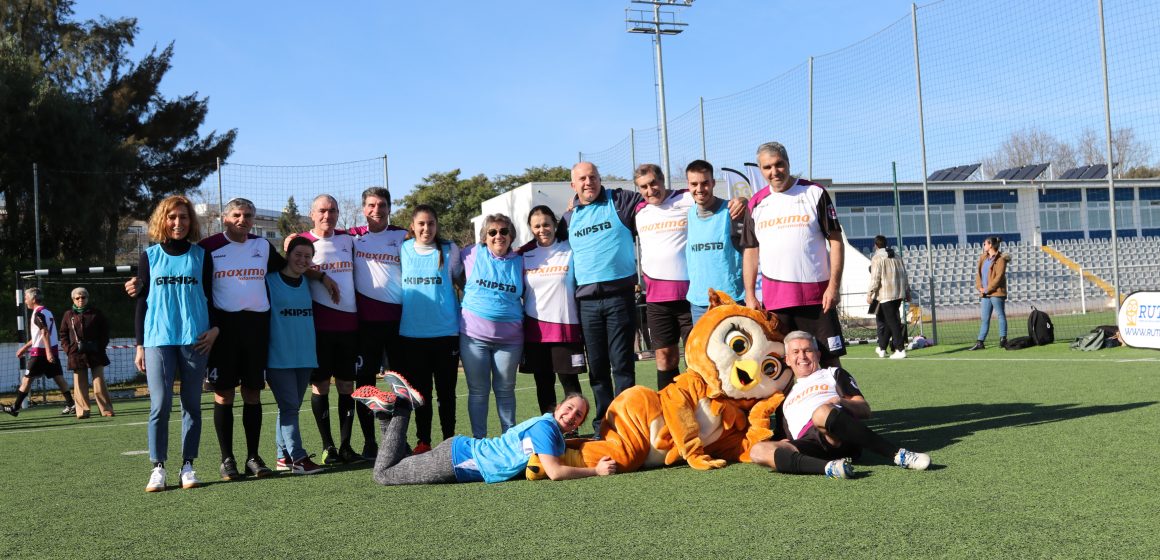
745	374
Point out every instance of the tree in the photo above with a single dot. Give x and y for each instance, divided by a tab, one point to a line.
290	221
1030	146
107	142
1127	150
541	174
456	201
350	213
1142	172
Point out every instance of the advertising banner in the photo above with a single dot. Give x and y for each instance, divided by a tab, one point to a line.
1139	320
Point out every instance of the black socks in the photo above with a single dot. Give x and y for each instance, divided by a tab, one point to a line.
793	462
252	424
848	429
345	418
320	404
223	423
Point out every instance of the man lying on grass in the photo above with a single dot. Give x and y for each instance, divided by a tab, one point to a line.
823	414
465	459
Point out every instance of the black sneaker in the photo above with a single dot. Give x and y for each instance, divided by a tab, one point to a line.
349	456
330	456
978	346
370	451
257	467
229	469
9	409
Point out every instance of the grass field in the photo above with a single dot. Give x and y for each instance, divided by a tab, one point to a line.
1043	453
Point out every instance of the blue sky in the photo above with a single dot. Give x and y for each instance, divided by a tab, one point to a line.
488	87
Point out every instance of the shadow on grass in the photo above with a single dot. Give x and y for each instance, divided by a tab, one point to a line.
936	427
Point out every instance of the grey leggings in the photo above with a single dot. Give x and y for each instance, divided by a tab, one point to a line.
396	466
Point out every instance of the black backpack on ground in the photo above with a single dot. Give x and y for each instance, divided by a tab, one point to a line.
1040	328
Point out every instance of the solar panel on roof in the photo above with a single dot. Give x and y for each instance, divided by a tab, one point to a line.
1074	173
1097	171
1005	174
1027	172
963	172
938	175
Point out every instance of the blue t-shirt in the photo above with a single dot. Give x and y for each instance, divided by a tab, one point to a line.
501	458
291	324
495	287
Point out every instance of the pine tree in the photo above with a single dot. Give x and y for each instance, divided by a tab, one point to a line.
290	221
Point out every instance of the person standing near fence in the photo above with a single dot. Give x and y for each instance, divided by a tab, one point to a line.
379	298
292	356
714	250
174	331
552	342
793	239
889	287
336	326
991	281
42	354
491	324
599	226
429	326
84	336
662	225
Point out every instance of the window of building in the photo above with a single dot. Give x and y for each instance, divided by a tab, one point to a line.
867	221
1150	213
994	217
1098	217
1060	216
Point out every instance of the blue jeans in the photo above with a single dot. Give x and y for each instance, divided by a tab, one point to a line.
609	326
490	365
163	364
697	312
288	386
999	305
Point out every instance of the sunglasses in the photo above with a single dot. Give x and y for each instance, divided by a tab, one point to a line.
502	231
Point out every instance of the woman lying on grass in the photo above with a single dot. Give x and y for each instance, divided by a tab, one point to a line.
465	459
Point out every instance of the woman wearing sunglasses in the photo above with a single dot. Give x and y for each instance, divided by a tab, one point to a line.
491	326
429	323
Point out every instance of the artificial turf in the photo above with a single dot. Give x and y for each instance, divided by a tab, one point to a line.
1044	452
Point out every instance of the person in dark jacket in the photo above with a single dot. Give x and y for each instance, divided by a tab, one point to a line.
84	334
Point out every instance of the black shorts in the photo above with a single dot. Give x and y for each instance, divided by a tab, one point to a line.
824	326
39	365
337	353
814	444
238	356
376	338
669	322
554	357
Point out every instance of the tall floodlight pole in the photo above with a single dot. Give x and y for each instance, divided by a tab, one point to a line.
657	26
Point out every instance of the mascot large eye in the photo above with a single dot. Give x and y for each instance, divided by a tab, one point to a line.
772	368
738	341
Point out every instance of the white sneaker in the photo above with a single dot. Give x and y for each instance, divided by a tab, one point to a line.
881	353
912	460
898	355
189	476
156	480
839	468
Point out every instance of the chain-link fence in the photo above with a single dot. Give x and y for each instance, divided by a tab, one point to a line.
1013	94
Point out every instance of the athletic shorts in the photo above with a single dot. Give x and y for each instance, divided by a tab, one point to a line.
377	341
39	365
668	322
337	353
814	444
238	356
555	357
824	326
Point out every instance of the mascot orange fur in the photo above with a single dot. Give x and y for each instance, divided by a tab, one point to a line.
710	415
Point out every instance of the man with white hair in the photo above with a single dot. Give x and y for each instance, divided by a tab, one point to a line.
823	417
43	358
